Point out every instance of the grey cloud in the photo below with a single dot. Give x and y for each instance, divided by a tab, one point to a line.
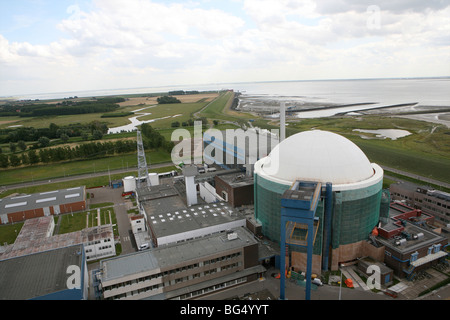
396	6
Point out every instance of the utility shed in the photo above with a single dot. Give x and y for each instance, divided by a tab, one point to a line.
44	275
386	273
236	188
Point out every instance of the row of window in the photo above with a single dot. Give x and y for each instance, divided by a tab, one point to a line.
216	287
98	241
99	248
180	269
435	248
168	283
429	200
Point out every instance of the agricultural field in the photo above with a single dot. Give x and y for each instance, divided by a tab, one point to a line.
18	165
425	152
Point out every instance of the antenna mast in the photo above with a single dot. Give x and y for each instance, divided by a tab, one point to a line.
142	162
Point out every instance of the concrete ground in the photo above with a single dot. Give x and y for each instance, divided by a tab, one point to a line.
107	194
294	291
414	288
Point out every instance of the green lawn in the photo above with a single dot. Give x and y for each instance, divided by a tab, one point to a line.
88	182
219	109
73	168
72	222
425	152
87	219
9	232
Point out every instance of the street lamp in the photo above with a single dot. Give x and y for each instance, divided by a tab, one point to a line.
340	283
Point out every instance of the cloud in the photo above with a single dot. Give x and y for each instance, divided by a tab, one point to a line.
145	43
397	7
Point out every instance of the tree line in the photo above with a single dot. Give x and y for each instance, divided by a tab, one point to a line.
154	139
53	131
91	150
63	108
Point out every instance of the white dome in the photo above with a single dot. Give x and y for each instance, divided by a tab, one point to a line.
316	156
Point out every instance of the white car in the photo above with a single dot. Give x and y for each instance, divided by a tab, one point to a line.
317	281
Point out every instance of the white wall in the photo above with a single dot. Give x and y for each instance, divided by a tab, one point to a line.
208	193
200	232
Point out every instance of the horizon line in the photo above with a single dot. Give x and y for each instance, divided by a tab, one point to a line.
16	96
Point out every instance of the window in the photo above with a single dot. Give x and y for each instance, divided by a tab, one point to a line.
437	247
414	256
225	195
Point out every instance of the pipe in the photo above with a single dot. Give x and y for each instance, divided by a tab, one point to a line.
328	219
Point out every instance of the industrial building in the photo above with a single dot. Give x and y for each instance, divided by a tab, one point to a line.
425	198
59	274
410	242
36	236
234	149
20	208
170	218
325	157
198	242
182	270
235	188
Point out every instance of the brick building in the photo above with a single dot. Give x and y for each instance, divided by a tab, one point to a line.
20	208
235	188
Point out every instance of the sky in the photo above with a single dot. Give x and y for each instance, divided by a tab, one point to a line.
51	46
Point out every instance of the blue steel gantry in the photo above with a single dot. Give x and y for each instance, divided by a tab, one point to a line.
298	209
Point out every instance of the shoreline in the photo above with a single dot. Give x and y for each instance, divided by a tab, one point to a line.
267	106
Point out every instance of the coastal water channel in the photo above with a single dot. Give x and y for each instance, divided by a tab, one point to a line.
135	122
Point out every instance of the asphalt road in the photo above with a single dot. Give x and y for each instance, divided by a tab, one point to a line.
83	176
415	176
166	164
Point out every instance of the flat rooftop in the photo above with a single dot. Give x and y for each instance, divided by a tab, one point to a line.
399	211
33	238
428	238
237	179
38	274
192	218
41	200
161	198
166	257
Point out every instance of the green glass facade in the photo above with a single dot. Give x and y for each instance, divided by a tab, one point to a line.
355	212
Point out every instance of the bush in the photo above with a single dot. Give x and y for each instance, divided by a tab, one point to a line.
167	99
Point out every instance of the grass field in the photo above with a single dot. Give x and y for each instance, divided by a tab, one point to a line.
425	152
190	104
88	182
219	109
9	232
86	219
73	168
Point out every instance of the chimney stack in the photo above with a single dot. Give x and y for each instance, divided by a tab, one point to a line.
282	121
189	173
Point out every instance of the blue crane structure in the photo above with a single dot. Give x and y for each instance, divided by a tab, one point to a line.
298	209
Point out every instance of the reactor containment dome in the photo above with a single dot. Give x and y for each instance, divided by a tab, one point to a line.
326	157
318	156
